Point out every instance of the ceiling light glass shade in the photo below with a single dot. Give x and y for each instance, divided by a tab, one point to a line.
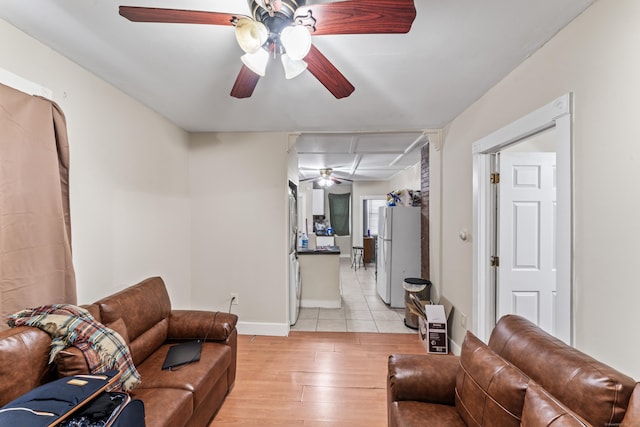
251	35
296	40
256	62
292	67
325	182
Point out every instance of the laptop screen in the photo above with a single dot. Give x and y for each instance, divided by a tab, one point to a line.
183	353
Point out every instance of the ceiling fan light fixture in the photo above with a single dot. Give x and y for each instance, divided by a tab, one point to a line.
250	34
325	182
292	67
296	40
325	172
257	61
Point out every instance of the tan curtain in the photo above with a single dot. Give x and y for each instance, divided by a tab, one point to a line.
35	230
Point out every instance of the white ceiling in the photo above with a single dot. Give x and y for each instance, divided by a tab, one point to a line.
358	156
455	51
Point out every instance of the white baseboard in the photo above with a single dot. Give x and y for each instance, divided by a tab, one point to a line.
454	348
260	328
282	330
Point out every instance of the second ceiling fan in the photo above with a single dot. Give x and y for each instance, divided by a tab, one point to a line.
284	28
326	179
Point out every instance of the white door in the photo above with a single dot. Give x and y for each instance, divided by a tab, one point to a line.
526	276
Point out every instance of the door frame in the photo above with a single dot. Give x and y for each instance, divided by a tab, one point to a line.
556	114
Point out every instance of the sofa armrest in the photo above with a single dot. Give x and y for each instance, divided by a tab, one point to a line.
194	324
632	416
423	378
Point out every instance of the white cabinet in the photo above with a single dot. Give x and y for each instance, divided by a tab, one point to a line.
325	241
320	279
318	202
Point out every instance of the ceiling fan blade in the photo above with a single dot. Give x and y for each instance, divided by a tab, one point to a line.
360	16
176	16
328	74
245	83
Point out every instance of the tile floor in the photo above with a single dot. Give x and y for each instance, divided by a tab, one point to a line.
362	309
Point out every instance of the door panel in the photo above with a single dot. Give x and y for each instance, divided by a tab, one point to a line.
526	277
526	236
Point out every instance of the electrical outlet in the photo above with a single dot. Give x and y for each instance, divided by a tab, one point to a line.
234	297
463	321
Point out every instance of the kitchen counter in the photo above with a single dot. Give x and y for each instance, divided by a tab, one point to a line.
321	250
320	277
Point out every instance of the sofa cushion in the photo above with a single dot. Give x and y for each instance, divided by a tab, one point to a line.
71	360
489	390
543	410
94	311
165	407
141	306
120	328
198	377
145	309
595	391
147	343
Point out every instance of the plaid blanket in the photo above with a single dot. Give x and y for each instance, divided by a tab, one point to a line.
68	325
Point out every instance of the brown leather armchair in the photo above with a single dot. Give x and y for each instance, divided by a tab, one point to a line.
523	377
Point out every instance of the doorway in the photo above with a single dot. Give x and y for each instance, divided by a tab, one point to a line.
489	298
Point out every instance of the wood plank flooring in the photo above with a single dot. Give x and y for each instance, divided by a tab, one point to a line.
313	379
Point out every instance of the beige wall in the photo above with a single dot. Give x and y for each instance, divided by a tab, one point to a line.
239	217
597	58
129	181
408	178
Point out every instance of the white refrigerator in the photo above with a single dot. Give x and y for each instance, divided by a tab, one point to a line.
398	251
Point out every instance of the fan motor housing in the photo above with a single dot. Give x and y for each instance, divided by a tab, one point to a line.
276	20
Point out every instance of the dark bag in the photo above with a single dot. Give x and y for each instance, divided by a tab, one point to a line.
53	403
108	409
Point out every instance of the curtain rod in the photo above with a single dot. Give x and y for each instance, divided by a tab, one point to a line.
20	83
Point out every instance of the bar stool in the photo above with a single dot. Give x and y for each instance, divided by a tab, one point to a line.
358	257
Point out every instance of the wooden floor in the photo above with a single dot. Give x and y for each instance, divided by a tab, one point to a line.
313	379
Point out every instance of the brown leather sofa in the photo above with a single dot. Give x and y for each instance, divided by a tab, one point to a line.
187	396
523	377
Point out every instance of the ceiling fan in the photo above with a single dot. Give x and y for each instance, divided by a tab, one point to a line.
284	28
326	179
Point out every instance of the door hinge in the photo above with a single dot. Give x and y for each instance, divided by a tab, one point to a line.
495	178
495	261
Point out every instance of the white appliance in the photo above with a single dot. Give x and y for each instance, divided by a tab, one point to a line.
294	288
398	251
295	285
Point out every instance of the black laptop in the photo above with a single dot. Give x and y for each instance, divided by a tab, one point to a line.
183	353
